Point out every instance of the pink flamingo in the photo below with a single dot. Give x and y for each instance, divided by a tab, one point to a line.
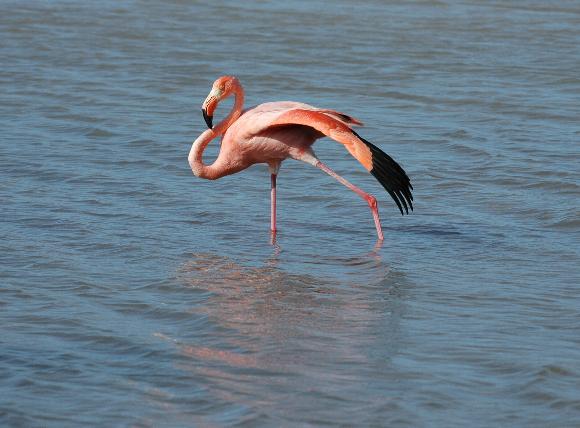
272	132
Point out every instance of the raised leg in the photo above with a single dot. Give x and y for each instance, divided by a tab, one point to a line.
371	200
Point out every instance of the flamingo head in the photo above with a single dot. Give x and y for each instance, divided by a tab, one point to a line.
221	89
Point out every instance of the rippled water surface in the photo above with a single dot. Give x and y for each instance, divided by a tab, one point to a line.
134	294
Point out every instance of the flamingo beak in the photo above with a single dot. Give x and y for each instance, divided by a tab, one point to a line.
208	118
209	106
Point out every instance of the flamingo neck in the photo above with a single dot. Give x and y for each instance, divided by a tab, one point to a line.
195	158
235	113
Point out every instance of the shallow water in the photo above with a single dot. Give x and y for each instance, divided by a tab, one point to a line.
134	294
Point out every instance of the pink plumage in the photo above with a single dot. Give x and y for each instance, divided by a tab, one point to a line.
272	132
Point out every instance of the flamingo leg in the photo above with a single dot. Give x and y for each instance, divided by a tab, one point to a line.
273	203
274	167
371	200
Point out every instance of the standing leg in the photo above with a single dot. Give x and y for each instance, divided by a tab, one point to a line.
274	168
273	203
371	200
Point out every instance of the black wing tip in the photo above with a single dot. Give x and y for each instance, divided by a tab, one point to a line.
391	176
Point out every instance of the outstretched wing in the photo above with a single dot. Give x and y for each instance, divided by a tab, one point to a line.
383	167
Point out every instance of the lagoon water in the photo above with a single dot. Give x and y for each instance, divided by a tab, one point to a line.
134	294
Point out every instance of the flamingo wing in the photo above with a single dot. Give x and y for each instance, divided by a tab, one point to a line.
383	167
345	118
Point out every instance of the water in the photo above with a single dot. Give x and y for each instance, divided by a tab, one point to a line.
134	294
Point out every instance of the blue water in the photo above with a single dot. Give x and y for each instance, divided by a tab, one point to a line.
134	294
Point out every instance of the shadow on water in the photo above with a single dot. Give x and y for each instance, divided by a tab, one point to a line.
318	331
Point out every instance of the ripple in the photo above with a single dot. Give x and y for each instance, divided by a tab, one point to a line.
132	286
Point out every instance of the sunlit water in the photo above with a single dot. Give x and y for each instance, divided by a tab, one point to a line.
134	294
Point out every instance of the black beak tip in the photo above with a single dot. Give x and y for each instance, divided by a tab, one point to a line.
208	119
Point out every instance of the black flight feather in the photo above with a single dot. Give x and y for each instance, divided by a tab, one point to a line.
392	177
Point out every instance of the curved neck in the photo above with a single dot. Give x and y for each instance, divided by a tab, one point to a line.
236	112
195	157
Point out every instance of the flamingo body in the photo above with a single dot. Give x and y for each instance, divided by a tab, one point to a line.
251	139
274	131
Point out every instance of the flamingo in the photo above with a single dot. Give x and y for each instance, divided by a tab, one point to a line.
275	131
